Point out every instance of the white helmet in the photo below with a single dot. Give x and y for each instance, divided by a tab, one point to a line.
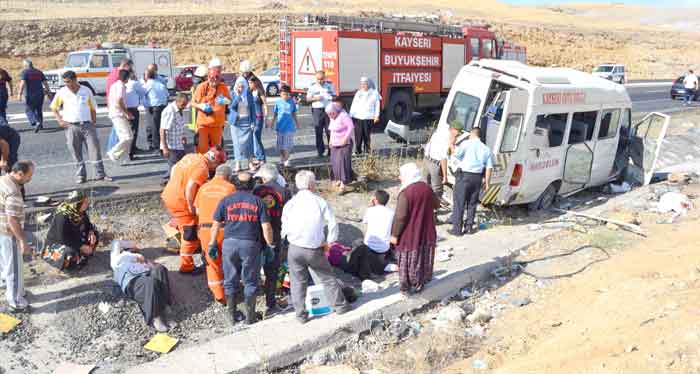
246	66
214	63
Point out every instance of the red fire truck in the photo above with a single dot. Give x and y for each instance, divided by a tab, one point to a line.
412	64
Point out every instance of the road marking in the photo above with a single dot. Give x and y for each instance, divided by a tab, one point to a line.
649	84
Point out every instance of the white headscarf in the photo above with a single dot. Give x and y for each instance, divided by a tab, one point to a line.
410	173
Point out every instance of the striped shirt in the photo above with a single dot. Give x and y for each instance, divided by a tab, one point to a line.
11	204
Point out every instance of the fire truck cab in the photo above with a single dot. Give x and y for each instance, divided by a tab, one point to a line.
92	66
412	64
552	131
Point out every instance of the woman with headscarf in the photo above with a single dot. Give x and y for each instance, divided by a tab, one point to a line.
413	230
365	112
341	129
258	93
242	121
71	238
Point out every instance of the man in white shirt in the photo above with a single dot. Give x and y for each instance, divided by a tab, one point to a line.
172	133
320	94
365	112
435	161
373	255
690	82
74	108
120	116
303	220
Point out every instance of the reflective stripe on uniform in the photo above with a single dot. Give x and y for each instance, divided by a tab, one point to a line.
214	283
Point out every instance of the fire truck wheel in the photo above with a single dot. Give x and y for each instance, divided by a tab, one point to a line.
400	107
545	200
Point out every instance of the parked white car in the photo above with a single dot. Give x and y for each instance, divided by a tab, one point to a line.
270	79
612	72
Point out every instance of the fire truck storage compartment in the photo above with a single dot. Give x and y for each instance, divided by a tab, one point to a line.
452	61
357	58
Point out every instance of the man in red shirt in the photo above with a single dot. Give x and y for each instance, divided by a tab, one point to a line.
113	76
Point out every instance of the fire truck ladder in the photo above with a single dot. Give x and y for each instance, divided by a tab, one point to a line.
285	49
378	25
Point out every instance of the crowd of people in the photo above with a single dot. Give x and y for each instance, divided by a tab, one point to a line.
241	222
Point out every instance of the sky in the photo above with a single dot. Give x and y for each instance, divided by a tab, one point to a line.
676	3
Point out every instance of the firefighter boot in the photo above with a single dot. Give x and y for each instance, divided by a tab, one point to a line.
231	310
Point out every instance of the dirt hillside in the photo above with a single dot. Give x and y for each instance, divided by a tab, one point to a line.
651	46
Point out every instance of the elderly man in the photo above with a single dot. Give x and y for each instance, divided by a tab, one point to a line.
172	133
156	100
12	233
275	197
210	100
474	164
179	196
413	230
208	198
243	217
33	84
320	94
303	220
75	110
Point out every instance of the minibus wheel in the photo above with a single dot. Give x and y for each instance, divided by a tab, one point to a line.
545	200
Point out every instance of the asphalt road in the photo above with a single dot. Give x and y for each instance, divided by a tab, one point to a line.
56	171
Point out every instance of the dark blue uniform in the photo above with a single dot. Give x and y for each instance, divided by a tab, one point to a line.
243	215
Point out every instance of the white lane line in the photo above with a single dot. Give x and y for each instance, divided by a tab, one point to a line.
649	84
656	91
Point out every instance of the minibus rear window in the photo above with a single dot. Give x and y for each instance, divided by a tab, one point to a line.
463	111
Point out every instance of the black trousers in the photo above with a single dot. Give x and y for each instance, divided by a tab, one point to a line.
3	104
34	110
466	193
362	262
173	158
152	292
321	121
134	128
271	271
363	131
154	126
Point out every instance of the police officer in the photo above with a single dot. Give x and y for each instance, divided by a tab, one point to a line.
474	158
320	94
243	216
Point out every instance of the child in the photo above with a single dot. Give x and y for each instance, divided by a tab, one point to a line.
285	119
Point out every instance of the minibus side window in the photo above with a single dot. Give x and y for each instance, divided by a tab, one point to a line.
552	127
582	126
609	124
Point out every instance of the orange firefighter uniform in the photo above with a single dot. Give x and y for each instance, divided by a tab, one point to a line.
192	168
210	127
208	198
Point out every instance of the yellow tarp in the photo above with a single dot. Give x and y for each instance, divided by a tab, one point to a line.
8	323
161	343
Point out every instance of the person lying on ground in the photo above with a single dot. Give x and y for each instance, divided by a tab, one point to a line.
72	238
145	282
